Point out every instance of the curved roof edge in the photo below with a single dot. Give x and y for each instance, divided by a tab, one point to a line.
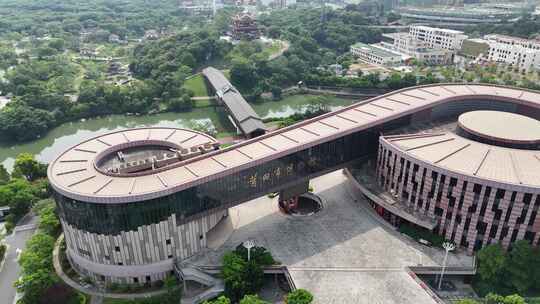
308	133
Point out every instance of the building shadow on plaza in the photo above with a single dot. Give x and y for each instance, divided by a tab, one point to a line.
342	234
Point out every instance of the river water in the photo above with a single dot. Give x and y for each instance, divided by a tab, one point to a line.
59	139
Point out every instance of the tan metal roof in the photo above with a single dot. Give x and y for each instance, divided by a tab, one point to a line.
501	126
83	185
461	155
76	169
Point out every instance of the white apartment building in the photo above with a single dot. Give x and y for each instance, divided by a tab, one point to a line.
515	41
438	38
521	53
407	44
375	54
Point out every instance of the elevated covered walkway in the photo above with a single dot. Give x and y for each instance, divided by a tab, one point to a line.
242	114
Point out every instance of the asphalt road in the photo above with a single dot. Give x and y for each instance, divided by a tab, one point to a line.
10	271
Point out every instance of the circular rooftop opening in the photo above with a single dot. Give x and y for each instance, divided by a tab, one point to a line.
501	129
141	157
137	159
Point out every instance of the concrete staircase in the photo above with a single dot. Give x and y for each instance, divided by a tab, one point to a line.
191	273
208	294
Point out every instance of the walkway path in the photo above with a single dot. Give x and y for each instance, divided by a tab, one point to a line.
16	242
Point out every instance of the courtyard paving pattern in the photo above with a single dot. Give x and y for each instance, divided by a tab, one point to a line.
343	254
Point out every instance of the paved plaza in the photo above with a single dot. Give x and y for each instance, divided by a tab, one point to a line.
343	254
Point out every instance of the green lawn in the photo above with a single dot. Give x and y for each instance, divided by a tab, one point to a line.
197	85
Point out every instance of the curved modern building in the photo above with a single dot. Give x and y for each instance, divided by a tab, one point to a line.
132	242
478	178
133	202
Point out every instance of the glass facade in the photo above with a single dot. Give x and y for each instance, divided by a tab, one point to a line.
222	192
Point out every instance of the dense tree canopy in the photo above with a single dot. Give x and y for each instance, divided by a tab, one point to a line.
21	123
243	277
252	299
516	271
68	18
28	167
299	296
19	195
491	259
518	266
495	299
37	268
220	300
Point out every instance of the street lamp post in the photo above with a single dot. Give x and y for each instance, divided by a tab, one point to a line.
447	247
248	245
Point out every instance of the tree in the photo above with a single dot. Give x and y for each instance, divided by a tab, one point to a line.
498	299
396	81
258	254
181	104
57	44
467	301
274	32
254	277
299	296
243	74
491	261
536	267
514	299
233	275
241	276
518	266
46	51
48	220
220	300
37	268
4	175
252	299
27	166
19	195
21	123
172	296
276	93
